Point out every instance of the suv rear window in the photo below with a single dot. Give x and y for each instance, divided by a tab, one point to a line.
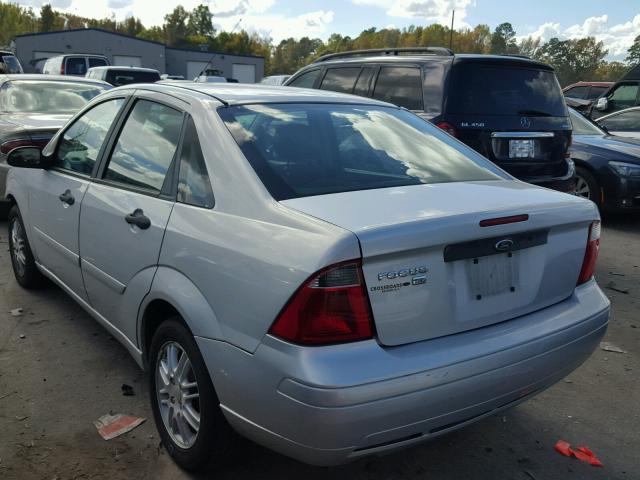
504	90
300	150
401	86
126	77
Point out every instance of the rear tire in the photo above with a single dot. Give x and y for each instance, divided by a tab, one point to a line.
193	429
587	186
22	261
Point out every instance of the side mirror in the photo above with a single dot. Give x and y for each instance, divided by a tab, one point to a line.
602	104
26	157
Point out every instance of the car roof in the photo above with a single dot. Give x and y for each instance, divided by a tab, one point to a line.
242	93
133	69
416	58
589	84
49	78
78	55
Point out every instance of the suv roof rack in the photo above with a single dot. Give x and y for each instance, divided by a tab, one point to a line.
517	55
388	51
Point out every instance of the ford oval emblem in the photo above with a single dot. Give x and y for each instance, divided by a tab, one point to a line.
525	122
504	245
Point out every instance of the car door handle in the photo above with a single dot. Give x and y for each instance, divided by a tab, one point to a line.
139	219
67	198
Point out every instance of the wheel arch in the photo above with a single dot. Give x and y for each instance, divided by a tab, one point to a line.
172	294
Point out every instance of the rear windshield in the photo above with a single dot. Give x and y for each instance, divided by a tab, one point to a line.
582	126
300	150
126	77
27	96
504	90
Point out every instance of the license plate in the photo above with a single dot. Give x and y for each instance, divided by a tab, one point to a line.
492	275
521	148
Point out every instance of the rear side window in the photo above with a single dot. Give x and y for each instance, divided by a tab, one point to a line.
12	65
401	86
340	79
194	185
306	80
300	150
504	90
127	77
146	146
97	62
76	66
79	146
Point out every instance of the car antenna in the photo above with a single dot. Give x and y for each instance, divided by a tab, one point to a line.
214	55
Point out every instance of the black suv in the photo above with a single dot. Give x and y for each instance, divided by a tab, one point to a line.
625	93
508	108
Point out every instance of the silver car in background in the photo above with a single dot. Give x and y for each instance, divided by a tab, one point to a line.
33	108
328	275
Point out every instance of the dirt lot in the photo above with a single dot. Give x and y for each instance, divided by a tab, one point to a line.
60	371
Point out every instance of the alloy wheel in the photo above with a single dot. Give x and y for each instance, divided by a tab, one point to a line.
18	247
582	188
178	395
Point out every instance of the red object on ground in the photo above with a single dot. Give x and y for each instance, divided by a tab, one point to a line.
581	453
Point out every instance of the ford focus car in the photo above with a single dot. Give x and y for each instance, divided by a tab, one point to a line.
325	274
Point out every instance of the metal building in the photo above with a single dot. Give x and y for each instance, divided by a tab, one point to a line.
33	49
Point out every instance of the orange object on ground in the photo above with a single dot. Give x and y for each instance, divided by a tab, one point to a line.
581	453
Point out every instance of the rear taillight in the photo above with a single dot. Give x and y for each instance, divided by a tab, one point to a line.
447	127
332	307
62	69
9	145
591	254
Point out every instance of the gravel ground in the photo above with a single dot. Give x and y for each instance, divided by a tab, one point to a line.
60	371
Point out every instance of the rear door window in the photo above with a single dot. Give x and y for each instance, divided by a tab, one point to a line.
340	79
76	66
479	89
97	62
146	146
401	86
306	80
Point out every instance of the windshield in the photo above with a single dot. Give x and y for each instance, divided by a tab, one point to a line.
12	64
24	96
300	150
582	126
505	90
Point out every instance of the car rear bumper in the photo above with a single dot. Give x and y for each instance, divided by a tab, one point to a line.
328	405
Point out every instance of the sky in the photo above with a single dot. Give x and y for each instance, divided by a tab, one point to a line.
616	23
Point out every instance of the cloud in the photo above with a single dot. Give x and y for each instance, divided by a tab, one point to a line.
61	4
616	38
231	8
436	11
117	4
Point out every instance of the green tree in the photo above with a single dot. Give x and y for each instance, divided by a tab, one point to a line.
175	26
201	21
633	54
503	39
575	59
47	18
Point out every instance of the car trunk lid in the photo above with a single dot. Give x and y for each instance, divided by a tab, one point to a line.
432	270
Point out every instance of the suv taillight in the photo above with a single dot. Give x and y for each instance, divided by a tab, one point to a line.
332	307
591	254
447	127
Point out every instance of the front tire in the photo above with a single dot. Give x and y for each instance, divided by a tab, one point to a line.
22	261
184	402
587	186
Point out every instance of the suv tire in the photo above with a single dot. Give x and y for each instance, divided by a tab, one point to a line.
174	380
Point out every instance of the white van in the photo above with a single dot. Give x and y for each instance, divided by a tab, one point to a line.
74	64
